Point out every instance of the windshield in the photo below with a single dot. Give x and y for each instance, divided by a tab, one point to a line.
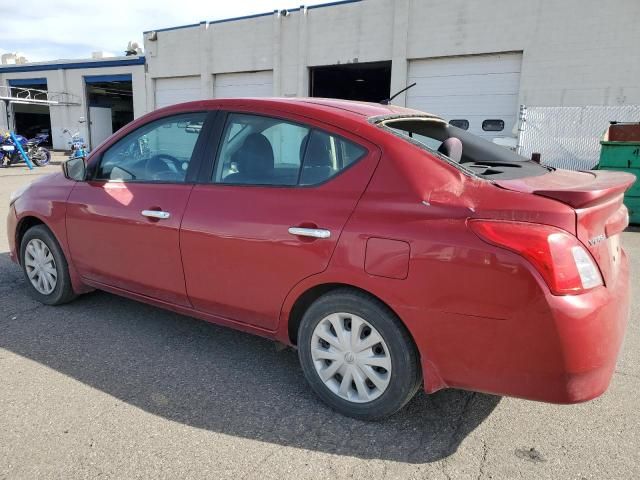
471	152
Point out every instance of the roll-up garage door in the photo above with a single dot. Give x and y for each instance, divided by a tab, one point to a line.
170	91
243	84
479	92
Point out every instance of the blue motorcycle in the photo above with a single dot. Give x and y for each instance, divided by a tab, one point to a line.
10	154
77	144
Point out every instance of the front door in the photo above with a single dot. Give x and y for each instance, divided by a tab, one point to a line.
123	224
270	215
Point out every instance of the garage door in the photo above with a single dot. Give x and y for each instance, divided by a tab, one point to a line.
177	90
480	91
243	84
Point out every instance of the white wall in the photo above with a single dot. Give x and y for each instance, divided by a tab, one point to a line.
575	52
72	81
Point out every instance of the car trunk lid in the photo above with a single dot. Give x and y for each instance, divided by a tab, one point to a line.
596	198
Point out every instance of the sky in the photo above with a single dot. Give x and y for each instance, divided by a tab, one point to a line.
69	29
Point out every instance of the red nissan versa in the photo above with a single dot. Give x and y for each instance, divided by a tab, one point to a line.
394	250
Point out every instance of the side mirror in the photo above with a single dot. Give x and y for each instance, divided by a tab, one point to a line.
75	169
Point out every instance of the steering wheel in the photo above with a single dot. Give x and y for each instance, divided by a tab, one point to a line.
163	167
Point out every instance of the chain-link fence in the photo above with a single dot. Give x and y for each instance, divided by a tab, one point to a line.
569	137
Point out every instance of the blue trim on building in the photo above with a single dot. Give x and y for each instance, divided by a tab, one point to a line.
256	15
245	17
223	20
107	78
72	65
191	25
20	82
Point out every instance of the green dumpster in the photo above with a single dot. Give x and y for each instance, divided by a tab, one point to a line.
620	150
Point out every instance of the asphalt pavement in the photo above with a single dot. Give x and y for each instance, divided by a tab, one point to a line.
106	387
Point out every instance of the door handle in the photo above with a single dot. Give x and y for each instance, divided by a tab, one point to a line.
310	232
159	214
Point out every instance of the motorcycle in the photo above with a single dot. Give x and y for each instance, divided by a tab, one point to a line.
78	146
10	154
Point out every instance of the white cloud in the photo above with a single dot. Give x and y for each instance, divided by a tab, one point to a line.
49	30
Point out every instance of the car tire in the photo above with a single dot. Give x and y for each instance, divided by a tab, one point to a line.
39	250
375	391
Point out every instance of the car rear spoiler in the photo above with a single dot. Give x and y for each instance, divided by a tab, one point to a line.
599	187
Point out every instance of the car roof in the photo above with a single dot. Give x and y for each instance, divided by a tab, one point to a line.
350	108
367	109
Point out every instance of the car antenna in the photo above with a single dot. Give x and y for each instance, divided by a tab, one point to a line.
387	101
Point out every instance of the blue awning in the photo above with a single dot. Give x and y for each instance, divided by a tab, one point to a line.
126	77
21	82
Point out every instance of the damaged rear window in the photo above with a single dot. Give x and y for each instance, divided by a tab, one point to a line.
472	153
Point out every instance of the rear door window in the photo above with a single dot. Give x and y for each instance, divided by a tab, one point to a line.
259	150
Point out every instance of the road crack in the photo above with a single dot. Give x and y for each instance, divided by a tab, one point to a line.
483	460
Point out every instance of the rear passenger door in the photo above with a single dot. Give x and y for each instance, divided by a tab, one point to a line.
270	213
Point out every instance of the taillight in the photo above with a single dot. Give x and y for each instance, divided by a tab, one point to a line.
564	263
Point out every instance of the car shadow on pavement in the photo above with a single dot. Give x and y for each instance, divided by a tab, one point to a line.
218	379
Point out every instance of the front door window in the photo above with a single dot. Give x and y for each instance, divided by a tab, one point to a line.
160	151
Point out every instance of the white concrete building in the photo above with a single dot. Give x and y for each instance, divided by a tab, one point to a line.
95	96
472	60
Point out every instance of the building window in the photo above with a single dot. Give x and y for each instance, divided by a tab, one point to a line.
493	125
460	123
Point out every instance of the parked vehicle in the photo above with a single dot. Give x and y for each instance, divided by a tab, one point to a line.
10	154
77	145
395	251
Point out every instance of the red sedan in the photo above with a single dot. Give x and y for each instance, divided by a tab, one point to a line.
393	250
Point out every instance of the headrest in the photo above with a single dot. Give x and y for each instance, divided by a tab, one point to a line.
452	148
255	156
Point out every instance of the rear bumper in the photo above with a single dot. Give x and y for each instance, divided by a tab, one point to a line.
590	332
12	222
561	350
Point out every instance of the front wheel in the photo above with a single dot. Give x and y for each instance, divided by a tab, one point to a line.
40	157
357	356
45	267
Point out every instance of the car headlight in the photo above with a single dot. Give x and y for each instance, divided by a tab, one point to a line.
17	194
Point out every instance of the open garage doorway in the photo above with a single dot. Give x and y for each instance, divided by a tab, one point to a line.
369	82
29	119
110	100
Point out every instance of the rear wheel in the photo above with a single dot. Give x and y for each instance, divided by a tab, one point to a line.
357	356
45	267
